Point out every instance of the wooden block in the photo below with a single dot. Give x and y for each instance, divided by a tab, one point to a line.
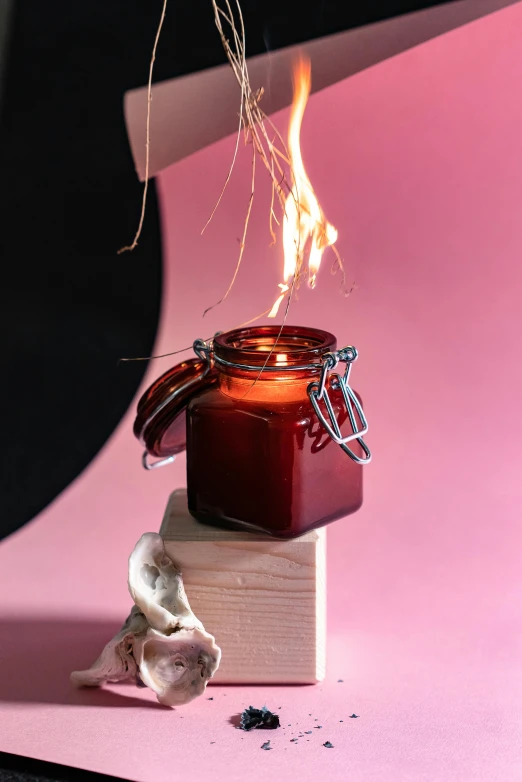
263	599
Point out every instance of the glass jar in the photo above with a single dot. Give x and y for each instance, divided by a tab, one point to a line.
264	411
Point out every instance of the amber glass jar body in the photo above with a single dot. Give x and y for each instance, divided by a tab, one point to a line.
257	456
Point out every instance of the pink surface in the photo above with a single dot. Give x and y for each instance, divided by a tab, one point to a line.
418	162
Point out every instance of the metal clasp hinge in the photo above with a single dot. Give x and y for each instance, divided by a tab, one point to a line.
204	349
318	392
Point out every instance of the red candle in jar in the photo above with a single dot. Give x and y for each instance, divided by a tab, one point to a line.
264	412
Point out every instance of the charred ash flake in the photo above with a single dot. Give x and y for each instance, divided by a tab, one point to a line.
263	718
258	718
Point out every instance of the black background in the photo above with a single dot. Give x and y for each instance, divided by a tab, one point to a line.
69	198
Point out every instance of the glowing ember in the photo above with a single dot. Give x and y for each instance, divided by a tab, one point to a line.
306	231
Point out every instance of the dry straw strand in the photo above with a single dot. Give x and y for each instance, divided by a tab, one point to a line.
147	134
253	121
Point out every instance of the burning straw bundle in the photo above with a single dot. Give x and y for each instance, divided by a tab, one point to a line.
306	232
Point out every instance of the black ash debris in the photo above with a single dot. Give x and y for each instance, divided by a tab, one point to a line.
258	718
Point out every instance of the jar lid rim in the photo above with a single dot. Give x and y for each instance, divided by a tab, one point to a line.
315	342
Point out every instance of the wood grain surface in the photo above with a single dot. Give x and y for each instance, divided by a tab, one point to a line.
263	599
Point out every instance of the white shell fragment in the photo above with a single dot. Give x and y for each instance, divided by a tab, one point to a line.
162	641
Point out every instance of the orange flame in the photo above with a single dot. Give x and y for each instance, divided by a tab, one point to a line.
305	228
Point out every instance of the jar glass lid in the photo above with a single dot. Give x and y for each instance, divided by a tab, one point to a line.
160	423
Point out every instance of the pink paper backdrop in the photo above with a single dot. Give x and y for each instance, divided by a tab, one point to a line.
418	162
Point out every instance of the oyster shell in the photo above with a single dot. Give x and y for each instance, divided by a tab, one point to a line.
162	640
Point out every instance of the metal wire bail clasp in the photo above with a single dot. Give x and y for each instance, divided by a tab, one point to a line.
318	391
203	350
